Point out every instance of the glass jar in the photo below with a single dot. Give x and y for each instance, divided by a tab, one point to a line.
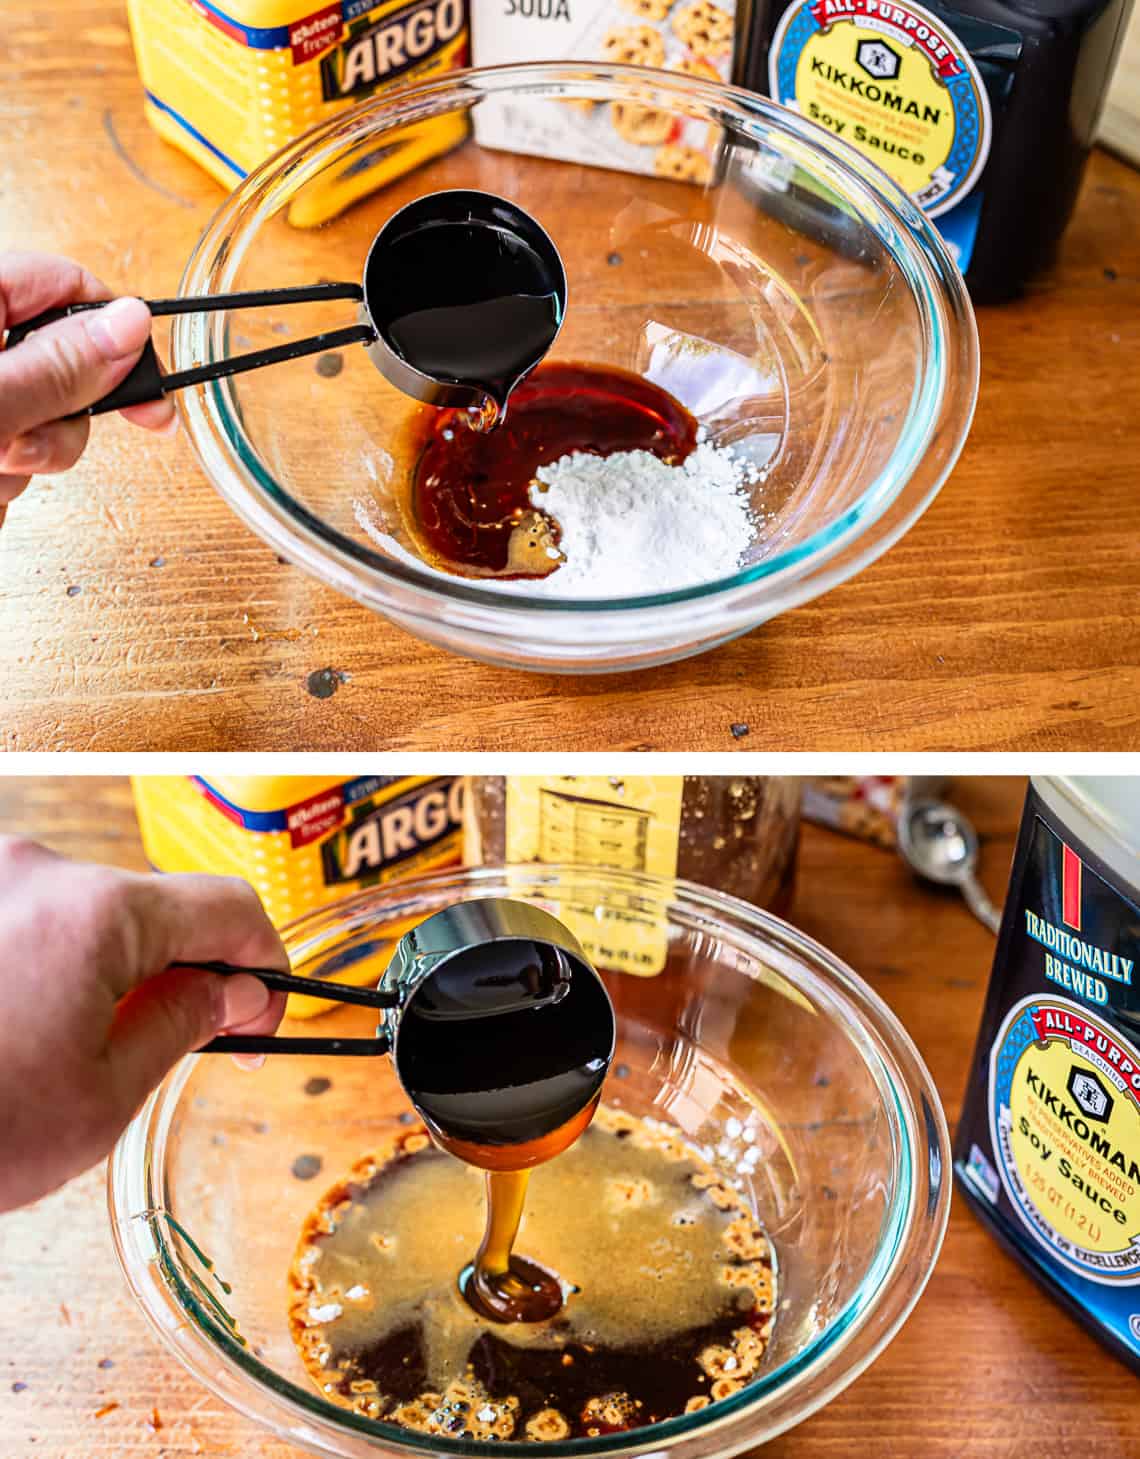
737	833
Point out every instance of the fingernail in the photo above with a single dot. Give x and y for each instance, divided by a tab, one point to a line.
171	426
119	328
248	1061
243	999
26	452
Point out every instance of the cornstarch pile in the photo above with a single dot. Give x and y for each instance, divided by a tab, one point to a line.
632	524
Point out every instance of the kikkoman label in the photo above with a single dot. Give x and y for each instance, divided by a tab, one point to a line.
1064	1105
896	83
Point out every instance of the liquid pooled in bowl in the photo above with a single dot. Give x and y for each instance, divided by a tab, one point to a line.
669	1283
471	505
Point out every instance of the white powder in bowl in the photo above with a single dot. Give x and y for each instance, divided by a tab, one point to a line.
631	524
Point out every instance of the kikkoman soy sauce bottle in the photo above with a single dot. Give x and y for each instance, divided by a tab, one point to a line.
1048	1147
983	110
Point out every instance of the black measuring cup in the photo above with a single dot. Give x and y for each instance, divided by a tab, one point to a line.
457	278
500	1030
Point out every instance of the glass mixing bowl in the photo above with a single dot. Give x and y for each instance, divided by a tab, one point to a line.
797	302
752	1037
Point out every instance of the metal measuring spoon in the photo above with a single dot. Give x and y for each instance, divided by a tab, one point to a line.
940	844
517	341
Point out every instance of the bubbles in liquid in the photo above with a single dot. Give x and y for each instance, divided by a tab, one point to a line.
484	417
670	1282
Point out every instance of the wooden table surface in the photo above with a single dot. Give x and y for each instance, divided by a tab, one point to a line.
140	614
986	1368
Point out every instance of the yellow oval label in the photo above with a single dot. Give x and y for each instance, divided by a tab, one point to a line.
895	83
1065	1121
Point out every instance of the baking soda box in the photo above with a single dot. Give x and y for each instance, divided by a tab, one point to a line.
692	37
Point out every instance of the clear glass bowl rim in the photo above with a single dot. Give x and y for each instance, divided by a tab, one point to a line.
913	1227
948	336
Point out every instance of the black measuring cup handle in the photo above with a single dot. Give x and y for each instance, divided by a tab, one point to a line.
143	383
146	380
241	1043
236	1043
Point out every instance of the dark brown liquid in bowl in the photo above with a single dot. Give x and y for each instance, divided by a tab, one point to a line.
471	506
670	1279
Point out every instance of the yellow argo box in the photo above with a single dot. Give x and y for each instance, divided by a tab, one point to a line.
230	83
303	841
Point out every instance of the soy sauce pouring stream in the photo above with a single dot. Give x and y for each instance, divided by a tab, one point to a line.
463	293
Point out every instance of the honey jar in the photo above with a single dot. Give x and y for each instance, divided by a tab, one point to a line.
738	833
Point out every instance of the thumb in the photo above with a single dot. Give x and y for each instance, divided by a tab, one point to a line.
171	1015
70	364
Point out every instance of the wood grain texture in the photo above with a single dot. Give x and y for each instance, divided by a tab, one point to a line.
139	613
986	1368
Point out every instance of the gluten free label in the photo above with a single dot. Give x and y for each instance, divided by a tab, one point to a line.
1065	1123
895	83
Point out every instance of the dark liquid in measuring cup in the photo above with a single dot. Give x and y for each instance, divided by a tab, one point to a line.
503	1052
471	491
471	303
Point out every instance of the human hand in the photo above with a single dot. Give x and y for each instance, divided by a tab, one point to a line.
95	1014
62	367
